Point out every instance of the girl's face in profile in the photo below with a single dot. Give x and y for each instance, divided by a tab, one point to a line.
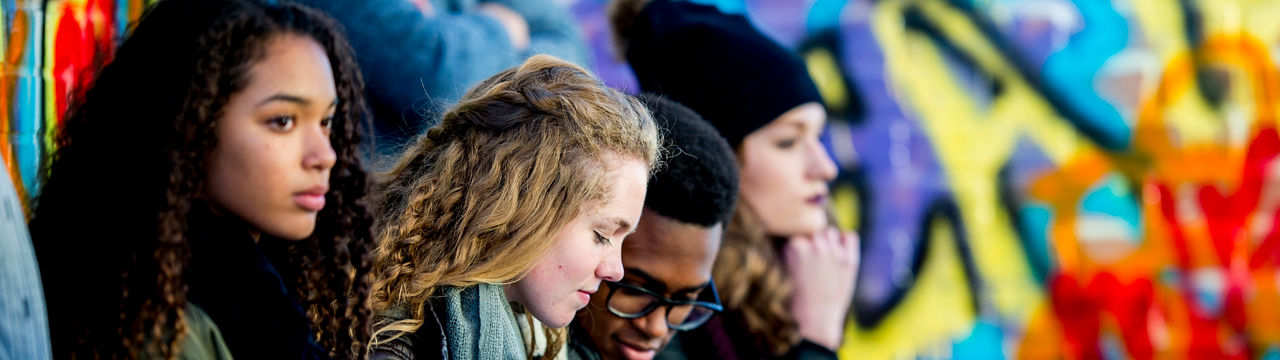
587	250
271	165
785	171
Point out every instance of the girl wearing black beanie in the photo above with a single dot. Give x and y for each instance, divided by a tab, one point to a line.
785	274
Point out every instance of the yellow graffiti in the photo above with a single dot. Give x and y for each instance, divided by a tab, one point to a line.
972	144
936	310
826	75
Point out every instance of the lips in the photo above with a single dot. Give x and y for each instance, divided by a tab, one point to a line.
585	296
312	199
817	200
633	352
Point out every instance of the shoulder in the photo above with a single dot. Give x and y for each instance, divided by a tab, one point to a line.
400	348
202	339
428	342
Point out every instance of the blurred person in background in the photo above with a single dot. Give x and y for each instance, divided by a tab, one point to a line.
419	56
785	274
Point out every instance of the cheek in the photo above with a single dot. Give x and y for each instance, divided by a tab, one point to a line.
545	274
546	280
230	173
601	325
253	167
774	186
251	175
766	179
577	257
596	315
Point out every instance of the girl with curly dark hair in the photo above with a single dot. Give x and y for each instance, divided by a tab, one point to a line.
208	196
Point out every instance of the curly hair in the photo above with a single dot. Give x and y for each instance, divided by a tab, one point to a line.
753	283
480	197
698	183
132	164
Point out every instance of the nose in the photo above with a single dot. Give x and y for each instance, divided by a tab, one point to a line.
819	165
610	269
653	325
318	152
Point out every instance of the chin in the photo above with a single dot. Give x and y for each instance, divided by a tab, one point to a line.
296	232
298	236
558	322
814	220
552	319
802	225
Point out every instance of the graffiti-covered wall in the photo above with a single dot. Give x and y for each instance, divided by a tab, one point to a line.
1032	178
1047	178
49	49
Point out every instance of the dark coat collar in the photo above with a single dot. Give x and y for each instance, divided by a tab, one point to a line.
238	286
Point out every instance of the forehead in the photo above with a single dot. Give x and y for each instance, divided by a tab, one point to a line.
807	116
295	64
624	179
678	254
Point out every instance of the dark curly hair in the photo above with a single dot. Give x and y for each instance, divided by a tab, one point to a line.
699	181
110	225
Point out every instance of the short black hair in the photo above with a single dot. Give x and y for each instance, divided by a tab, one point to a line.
699	182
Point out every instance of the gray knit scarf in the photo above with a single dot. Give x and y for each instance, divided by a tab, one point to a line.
480	324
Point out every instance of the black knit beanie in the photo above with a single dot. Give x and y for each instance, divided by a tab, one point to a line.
717	64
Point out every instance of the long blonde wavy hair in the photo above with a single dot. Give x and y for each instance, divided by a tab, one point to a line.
481	196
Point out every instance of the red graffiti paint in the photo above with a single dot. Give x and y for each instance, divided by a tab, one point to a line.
1081	309
84	40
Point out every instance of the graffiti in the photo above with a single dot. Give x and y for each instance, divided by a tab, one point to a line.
20	92
1087	179
1091	179
50	50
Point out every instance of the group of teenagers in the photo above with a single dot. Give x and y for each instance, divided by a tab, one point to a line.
214	196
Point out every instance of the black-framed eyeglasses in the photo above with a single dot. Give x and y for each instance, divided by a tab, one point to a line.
631	301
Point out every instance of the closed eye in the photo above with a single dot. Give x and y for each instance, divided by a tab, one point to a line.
786	144
600	239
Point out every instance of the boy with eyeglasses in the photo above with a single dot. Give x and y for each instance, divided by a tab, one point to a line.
667	285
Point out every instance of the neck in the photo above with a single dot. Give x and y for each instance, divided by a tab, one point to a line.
255	234
512	295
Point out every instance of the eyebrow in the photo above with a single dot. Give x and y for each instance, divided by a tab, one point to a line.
292	99
662	286
801	126
622	224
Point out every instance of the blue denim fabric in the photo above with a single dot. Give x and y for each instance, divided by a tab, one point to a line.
24	325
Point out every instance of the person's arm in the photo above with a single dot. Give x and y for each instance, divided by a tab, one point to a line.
552	30
406	55
24	327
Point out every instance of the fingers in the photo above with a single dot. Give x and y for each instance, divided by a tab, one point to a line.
826	243
800	244
852	245
822	243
